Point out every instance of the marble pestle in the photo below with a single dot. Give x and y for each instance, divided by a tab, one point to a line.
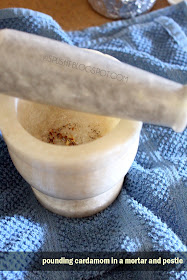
51	72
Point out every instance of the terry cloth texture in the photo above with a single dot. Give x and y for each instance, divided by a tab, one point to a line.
150	212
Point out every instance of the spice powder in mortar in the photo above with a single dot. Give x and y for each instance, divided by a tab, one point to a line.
64	135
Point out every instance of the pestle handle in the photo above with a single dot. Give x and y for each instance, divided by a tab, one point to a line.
51	72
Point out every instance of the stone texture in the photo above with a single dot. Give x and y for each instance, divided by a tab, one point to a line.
51	72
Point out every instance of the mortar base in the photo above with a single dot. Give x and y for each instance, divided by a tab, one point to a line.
79	208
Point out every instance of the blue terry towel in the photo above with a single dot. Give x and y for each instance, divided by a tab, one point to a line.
150	212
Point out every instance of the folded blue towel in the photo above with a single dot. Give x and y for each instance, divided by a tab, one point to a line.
150	212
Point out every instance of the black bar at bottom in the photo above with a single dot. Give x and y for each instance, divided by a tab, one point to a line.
93	261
